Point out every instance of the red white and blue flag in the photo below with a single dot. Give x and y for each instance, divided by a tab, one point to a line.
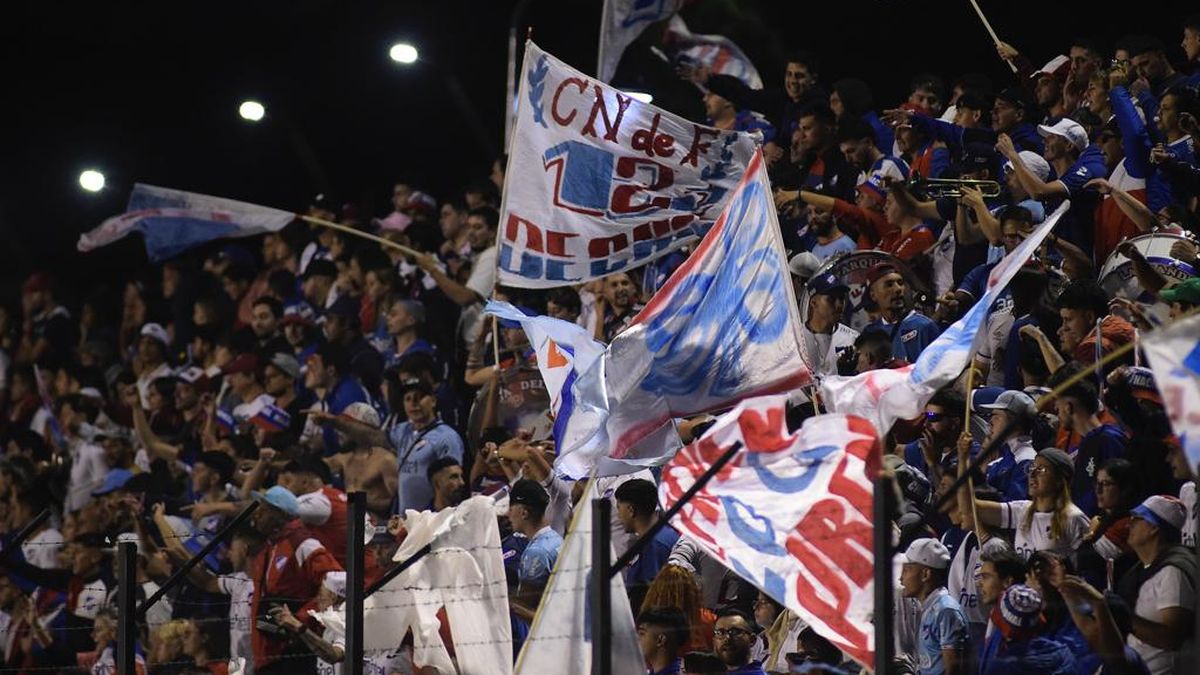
718	53
621	23
885	396
723	328
172	221
791	513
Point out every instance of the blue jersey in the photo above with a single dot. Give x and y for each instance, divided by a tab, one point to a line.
943	626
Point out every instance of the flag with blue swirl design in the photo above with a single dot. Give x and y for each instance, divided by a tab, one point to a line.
599	182
723	328
791	513
1173	353
884	396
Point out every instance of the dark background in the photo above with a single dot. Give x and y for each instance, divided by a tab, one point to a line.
149	92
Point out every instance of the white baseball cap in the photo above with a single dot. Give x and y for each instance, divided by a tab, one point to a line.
157	332
1160	511
1036	164
362	412
1069	129
928	552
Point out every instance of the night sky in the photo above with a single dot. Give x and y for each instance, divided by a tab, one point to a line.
149	92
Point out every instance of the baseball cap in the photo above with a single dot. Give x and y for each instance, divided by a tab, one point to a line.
279	497
320	267
529	492
1067	128
421	202
874	187
1060	460
287	364
1057	67
928	552
1016	402
880	271
1020	608
1015	97
1162	511
1141	384
299	313
804	265
826	283
1036	164
113	481
362	412
977	157
156	331
1185	291
418	384
242	363
192	375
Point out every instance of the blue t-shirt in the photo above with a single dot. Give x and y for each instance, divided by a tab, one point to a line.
915	333
415	451
538	558
1008	475
839	245
1012	352
646	566
943	626
1097	446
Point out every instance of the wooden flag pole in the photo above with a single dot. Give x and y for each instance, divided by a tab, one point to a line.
358	233
990	30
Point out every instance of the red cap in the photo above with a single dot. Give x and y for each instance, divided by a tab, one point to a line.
38	281
242	363
879	271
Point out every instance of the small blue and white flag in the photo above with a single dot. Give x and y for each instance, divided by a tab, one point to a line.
724	327
1173	353
172	221
564	350
621	22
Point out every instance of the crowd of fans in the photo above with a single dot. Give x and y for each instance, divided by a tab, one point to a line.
298	366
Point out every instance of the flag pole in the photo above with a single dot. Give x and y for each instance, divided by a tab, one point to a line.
648	536
883	619
358	233
601	586
990	30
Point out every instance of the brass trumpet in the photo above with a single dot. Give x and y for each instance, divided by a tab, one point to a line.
936	188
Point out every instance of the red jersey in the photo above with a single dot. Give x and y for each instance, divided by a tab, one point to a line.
325	513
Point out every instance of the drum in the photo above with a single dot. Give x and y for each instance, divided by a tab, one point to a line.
851	268
1118	280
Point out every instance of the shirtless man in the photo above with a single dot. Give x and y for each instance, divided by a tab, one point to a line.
365	466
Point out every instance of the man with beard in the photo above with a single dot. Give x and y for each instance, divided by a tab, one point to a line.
449	487
830	240
733	636
933	452
911	331
365	466
825	336
616	306
1009	473
266	313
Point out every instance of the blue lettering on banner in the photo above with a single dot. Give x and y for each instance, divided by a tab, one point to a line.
704	327
760	537
809	459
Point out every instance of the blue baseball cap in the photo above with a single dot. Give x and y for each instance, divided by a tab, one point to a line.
827	283
281	498
115	480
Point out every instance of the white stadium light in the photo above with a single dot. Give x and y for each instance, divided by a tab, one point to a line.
91	180
402	52
252	111
641	96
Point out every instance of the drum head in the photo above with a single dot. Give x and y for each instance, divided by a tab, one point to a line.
1117	277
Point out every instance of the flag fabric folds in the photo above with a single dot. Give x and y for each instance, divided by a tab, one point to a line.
621	23
1173	353
560	639
599	182
172	221
724	327
792	513
563	349
716	52
885	396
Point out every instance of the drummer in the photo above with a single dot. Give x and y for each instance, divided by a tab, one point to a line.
825	337
911	331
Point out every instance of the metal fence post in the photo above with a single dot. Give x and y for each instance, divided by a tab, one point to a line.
356	546
601	587
126	608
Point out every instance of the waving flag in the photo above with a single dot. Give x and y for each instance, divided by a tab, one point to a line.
172	221
622	22
564	350
1174	356
884	396
716	52
791	513
599	182
723	328
560	638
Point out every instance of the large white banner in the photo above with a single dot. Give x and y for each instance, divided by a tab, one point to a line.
599	182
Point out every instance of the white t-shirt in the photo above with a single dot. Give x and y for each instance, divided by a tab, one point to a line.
483	273
961	580
240	589
88	469
1037	537
1169	587
1187	495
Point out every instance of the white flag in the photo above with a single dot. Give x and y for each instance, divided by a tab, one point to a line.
622	22
560	638
718	53
1174	356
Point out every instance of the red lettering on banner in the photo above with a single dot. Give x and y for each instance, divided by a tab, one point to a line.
533	234
601	107
834	616
844	486
827	530
602	247
651	142
764	435
564	120
699	145
627	167
556	243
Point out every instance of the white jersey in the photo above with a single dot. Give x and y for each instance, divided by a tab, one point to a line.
1169	587
961	580
821	350
1037	537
